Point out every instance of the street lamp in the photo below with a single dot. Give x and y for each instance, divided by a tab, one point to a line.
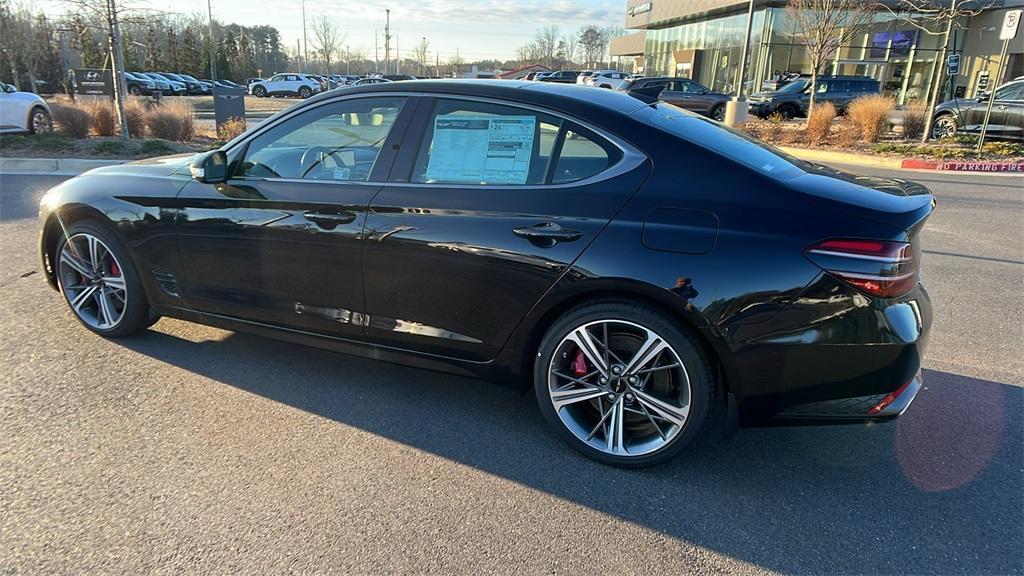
737	108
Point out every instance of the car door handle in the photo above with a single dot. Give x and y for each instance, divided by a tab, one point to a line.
330	220
1002	107
547	234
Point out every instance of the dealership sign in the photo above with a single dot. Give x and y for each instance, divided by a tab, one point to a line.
93	82
640	8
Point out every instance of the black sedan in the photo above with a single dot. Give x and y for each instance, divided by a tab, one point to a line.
1006	120
647	271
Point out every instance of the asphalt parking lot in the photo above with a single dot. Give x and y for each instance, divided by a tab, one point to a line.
192	449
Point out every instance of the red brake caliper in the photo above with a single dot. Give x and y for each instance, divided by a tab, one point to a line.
579	365
114	270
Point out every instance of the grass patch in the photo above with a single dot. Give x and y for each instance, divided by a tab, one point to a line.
38	143
111	148
156	147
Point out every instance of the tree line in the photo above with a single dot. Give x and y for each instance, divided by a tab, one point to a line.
587	47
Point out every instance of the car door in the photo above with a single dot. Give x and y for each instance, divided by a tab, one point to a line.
482	214
280	241
1008	112
13	114
681	93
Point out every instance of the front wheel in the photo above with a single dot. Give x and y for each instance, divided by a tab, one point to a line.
305	92
40	122
944	127
787	112
99	282
718	113
259	92
623	383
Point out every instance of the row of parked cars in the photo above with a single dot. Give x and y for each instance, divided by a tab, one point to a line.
171	84
306	85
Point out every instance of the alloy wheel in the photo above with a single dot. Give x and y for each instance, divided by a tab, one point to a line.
92	281
718	114
944	127
619	387
41	122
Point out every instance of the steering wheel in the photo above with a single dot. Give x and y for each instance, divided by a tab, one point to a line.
316	155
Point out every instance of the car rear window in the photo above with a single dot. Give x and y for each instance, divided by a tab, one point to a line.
725	141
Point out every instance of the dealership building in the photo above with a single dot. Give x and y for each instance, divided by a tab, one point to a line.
703	40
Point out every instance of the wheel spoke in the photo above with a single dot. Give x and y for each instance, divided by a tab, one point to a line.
82	297
72	260
648	352
581	337
94	253
106	308
581	380
114	282
562	398
651	418
661	409
658	368
616	424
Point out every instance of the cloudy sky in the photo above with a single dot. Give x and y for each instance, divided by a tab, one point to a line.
477	28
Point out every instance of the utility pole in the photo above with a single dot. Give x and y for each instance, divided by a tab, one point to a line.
209	25
305	41
398	57
437	63
117	59
387	40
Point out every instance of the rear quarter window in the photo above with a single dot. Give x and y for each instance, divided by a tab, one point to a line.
725	141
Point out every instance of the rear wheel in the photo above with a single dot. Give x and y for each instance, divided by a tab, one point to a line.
718	113
787	111
623	383
305	92
259	92
944	127
134	90
99	282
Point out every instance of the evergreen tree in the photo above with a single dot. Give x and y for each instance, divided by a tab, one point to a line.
191	57
172	61
152	50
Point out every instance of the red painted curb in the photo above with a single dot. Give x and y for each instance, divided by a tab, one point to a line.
965	165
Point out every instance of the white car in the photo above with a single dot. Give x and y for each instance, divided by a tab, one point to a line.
582	78
23	112
607	79
285	85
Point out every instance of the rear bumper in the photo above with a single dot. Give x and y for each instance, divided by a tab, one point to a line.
877	407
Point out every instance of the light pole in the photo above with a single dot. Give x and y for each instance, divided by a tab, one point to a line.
209	26
305	41
736	109
387	40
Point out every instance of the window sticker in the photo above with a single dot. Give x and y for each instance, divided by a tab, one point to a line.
481	149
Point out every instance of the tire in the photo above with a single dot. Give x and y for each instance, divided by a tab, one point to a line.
718	113
259	92
588	406
112	302
39	121
787	111
305	92
944	127
134	90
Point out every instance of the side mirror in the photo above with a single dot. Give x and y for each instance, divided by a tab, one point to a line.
10	89
210	168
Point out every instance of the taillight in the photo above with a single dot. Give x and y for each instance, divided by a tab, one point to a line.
880	268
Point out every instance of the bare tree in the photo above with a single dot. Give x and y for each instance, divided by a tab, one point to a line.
547	44
568	47
421	51
593	43
936	21
327	41
823	26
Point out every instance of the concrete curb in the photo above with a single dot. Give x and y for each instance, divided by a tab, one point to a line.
843	158
981	166
53	165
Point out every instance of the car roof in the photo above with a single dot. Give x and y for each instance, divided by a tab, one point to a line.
569	98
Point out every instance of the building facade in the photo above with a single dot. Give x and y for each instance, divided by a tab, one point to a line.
703	40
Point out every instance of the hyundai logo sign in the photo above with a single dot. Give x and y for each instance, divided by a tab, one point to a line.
93	76
640	8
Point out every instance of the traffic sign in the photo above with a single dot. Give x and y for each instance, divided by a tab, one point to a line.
953	65
1011	21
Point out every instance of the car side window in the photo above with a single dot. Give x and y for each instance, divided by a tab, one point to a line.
582	155
338	141
1011	92
482	143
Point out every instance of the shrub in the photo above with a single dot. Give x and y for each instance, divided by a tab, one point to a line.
73	120
847	134
104	119
1007	149
233	127
135	115
914	116
171	121
871	115
819	122
157	148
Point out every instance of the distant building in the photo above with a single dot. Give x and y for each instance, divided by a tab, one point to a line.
702	39
522	72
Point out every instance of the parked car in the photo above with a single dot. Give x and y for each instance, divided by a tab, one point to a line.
139	85
561	77
534	76
780	80
398	77
961	115
164	84
222	83
793	99
249	81
196	86
23	112
191	86
695	97
370	80
611	79
299	85
605	268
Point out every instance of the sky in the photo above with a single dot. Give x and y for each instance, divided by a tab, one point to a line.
478	29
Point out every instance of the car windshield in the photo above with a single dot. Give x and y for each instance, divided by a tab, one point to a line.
723	140
795	86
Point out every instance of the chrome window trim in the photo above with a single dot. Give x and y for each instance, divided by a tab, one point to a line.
632	157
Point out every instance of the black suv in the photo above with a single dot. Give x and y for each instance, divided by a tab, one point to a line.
793	99
562	77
